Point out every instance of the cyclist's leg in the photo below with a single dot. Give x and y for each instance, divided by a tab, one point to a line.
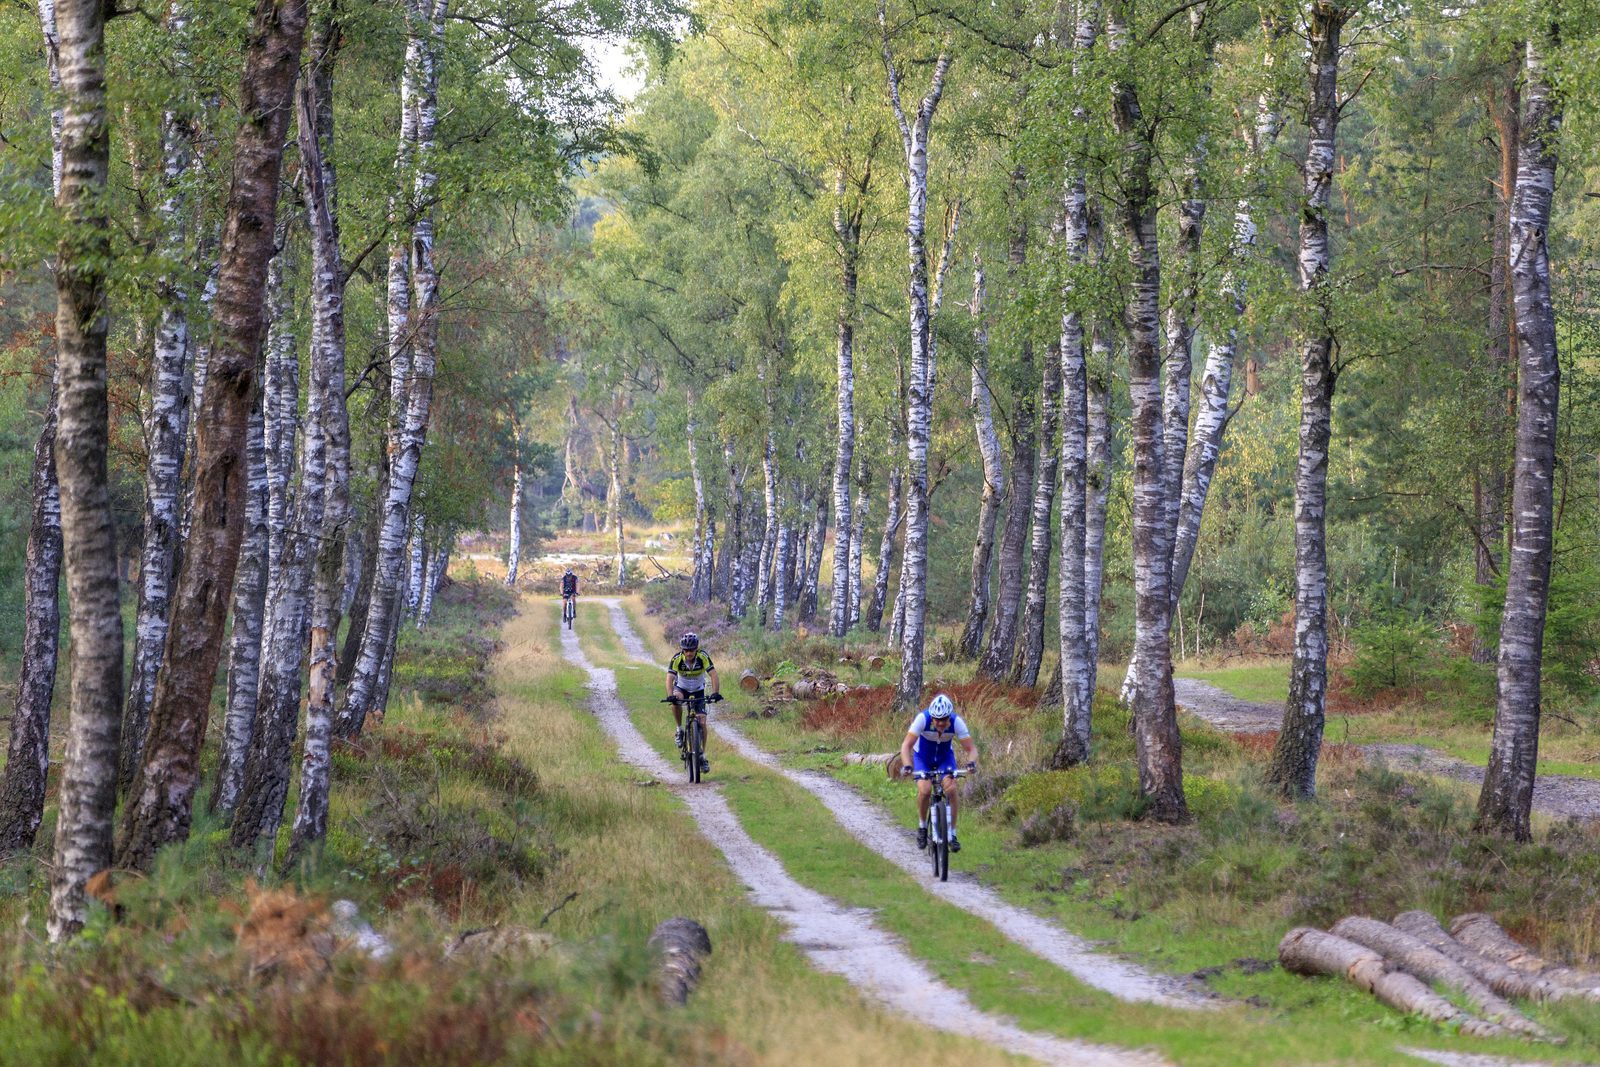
677	707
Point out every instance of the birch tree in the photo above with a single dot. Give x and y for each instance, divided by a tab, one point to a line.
514	519
1506	801
22	781
982	403
1294	758
87	797
162	796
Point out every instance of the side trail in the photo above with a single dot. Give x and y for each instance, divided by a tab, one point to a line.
838	940
867	824
1562	796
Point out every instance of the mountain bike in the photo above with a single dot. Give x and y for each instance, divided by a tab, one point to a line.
569	610
693	750
939	822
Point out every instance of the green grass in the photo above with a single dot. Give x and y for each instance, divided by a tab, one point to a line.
1266	683
1316	1021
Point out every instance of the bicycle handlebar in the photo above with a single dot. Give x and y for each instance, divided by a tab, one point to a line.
959	772
711	698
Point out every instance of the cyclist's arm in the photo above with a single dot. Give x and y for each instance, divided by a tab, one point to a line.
716	685
905	748
672	681
971	748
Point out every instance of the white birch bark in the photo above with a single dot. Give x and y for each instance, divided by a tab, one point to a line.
915	132
1030	643
893	519
816	540
88	790
1156	740
514	519
1506	801
847	230
769	532
1294	758
783	547
166	426
249	602
858	540
700	578
328	360
418	554
413	340
22	782
982	401
281	385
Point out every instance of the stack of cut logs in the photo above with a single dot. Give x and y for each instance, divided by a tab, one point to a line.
1404	962
813	684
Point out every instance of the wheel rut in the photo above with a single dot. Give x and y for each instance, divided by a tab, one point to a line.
838	940
863	820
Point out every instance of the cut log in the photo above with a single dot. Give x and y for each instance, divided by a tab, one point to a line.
1429	964
803	689
893	767
680	944
868	759
876	663
1481	932
749	682
1495	974
1312	952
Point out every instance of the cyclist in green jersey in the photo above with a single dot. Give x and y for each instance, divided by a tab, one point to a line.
686	674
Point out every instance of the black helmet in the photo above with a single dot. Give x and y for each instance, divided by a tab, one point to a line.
689	641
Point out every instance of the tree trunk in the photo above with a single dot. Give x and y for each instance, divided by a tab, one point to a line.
437	563
249	603
1098	495
361	605
88	790
166	429
614	497
734	575
1030	647
161	800
1504	980
847	228
281	407
413	342
316	119
22	782
886	549
1483	935
1312	952
514	520
700	581
1506	803
1294	758
993	469
769	530
996	661
858	540
810	597
417	550
1155	723
1074	667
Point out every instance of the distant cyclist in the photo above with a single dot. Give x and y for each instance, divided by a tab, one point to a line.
569	585
929	748
686	674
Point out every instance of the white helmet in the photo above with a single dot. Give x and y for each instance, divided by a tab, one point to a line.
941	707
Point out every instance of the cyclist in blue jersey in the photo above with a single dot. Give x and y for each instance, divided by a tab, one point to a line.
929	748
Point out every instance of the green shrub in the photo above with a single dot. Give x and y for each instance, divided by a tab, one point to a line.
1392	652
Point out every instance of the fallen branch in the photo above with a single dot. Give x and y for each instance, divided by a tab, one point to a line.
680	945
1427	963
1312	952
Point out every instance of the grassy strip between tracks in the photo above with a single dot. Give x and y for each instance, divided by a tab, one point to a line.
1283	1019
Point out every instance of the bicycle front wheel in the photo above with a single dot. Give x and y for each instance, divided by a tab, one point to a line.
939	846
697	748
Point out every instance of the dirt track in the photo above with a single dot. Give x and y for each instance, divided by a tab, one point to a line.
1557	795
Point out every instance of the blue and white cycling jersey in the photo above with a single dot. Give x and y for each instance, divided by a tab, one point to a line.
935	749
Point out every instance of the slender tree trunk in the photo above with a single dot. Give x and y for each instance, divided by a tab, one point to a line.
1506	802
614	497
88	790
361	605
892	520
514	520
1030	648
1098	495
166	430
783	549
417	550
847	228
1294	758
769	533
22	782
858	540
281	407
249	603
993	469
700	580
438	563
413	341
1155	723
734	575
996	661
316	120
810	597
162	797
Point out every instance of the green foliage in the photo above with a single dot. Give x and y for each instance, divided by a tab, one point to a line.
1392	652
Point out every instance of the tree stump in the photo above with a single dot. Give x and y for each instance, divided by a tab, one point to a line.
1312	952
680	944
748	681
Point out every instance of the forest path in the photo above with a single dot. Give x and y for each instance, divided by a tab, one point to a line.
863	820
838	940
1558	795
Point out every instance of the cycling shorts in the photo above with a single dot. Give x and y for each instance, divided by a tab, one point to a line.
936	761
